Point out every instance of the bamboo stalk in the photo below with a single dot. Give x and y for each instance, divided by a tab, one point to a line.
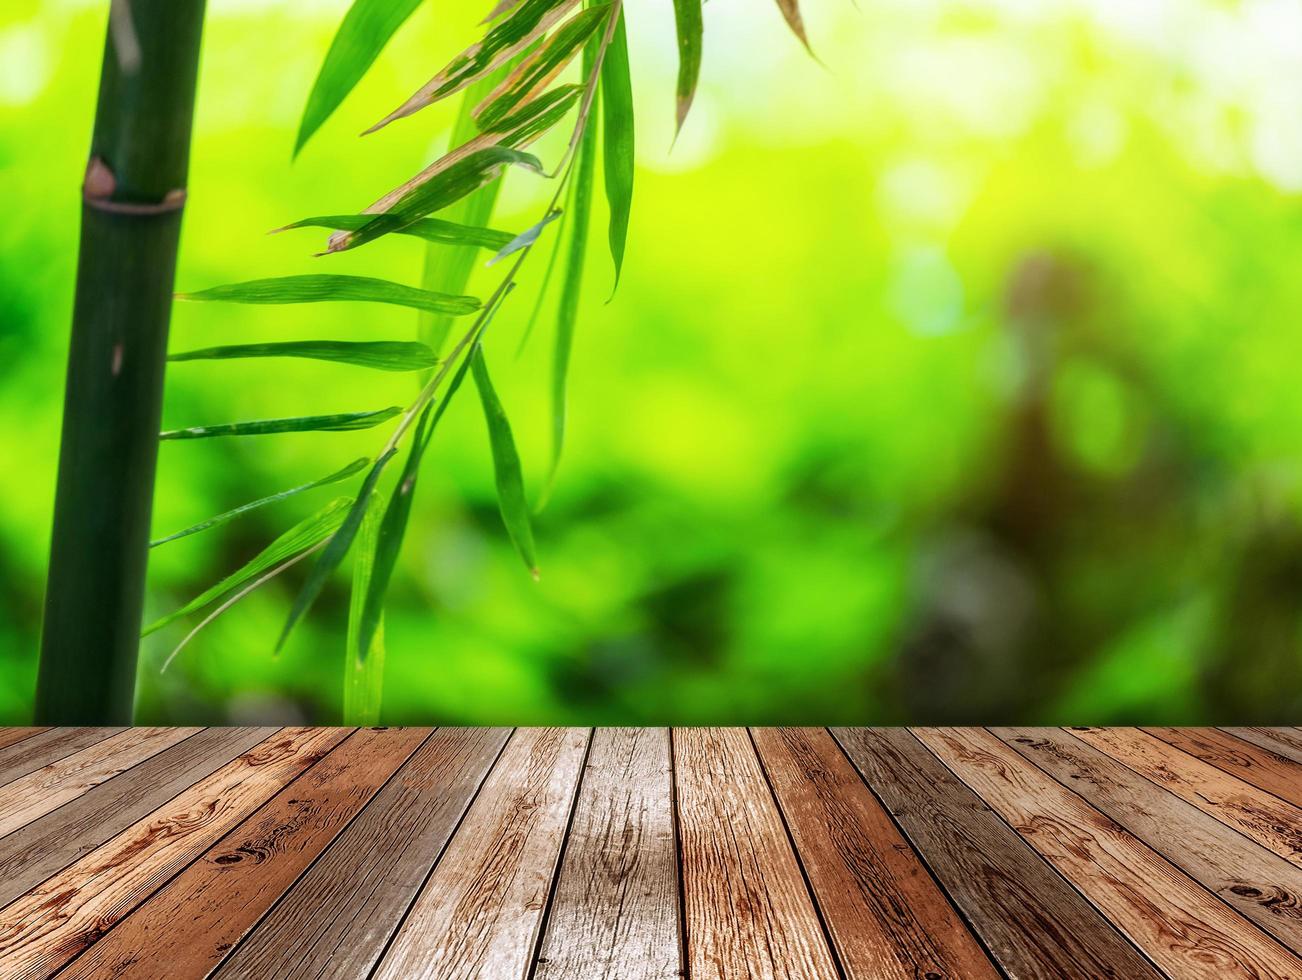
130	226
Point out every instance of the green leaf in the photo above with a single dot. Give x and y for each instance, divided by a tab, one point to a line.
335	550
365	30
543	286
388	541
325	288
506	465
448	271
525	238
527	21
416	199
433	230
617	130
382	355
297	539
537	71
354	467
363	675
343	422
571	287
394	526
687	17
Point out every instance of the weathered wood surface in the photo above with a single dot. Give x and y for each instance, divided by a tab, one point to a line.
337	918
749	912
1268	820
1255	882
480	911
886	916
1183	928
32	854
60	918
650	854
1031	919
190	924
48	788
615	912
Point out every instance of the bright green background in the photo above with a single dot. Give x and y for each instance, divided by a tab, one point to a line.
955	379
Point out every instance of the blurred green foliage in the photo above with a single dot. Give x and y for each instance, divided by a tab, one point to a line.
955	381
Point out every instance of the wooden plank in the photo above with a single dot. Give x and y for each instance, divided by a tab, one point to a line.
614	915
8	736
748	911
886	916
338	917
37	751
1268	820
478	914
1032	921
48	788
50	925
1262	768
187	928
30	855
1184	929
1258	884
1282	741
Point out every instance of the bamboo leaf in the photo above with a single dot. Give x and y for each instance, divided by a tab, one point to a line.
448	271
617	132
527	21
364	32
299	538
537	71
571	287
432	230
501	7
388	542
552	262
687	17
342	422
382	355
425	193
394	526
506	465
363	675
327	288
354	467
335	550
525	238
791	12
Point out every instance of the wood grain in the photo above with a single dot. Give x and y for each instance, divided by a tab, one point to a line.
1258	884
1253	764
337	918
48	788
614	915
748	911
1282	741
886	916
39	750
188	927
1263	817
30	855
57	920
1185	930
1032	921
479	913
8	736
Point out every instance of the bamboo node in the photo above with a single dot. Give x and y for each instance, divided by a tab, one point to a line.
100	183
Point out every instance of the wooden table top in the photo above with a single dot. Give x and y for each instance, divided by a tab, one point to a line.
626	853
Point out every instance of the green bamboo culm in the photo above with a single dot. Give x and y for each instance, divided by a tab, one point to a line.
130	227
